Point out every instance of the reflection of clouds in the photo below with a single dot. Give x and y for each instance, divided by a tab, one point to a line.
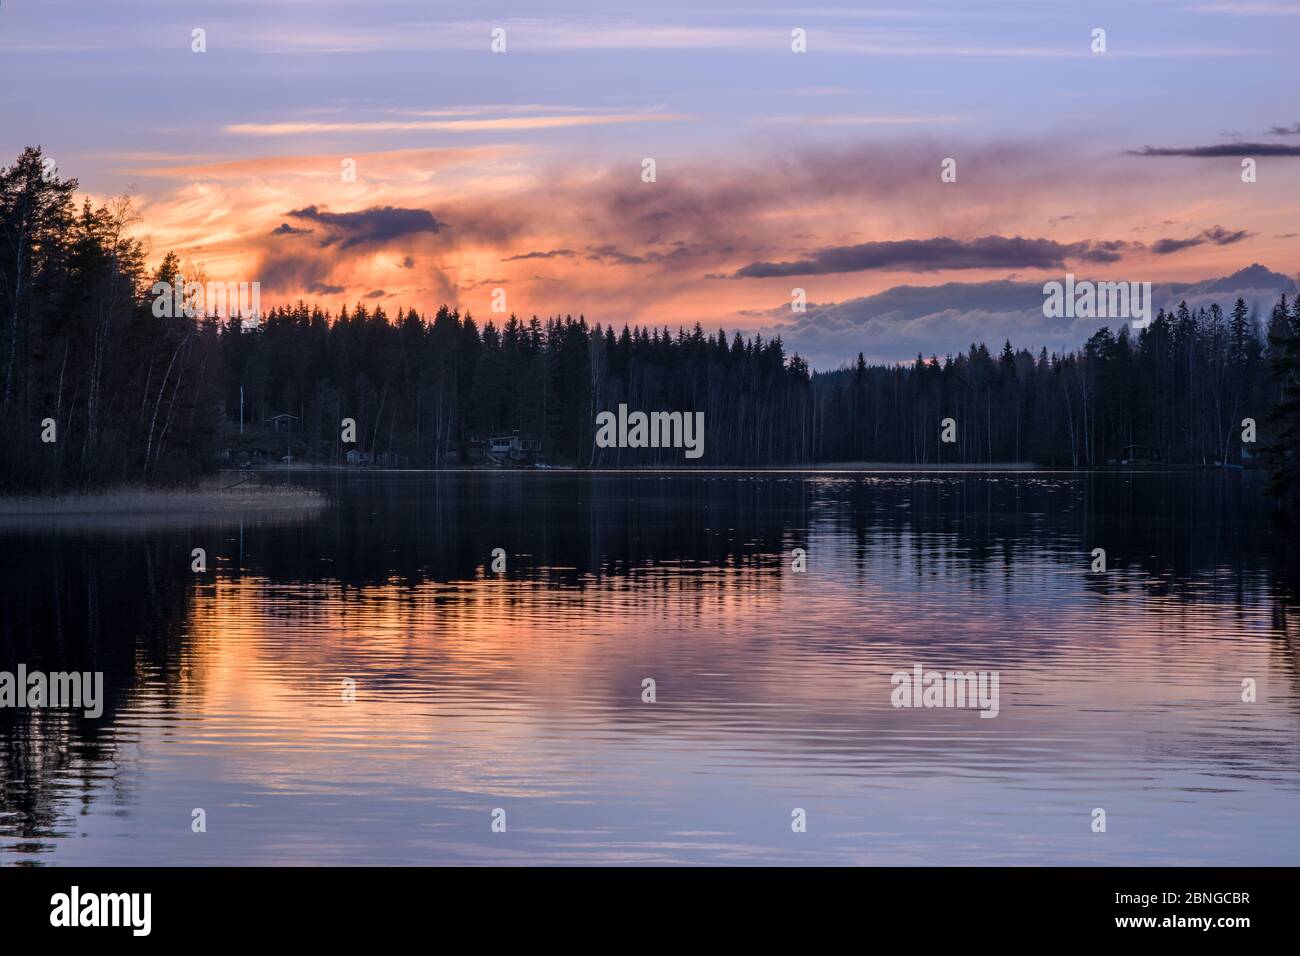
521	687
523	690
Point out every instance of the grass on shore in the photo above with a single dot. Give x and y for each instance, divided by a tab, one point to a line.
211	498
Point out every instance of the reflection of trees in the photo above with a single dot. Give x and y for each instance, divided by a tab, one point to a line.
578	530
120	605
80	605
444	527
1284	656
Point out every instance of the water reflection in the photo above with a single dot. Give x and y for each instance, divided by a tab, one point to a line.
523	690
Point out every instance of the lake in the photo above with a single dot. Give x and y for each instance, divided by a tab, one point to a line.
359	686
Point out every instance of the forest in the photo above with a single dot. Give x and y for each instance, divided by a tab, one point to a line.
97	390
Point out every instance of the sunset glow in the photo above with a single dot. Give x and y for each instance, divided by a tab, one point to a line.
525	167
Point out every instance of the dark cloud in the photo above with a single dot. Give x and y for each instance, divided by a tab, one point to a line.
322	288
377	224
1225	237
376	294
552	254
284	229
933	255
408	263
1292	130
1215	235
1108	250
1220	149
1163	247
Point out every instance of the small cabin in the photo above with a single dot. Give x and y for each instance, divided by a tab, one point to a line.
513	446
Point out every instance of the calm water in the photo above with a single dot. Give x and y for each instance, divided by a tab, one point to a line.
522	691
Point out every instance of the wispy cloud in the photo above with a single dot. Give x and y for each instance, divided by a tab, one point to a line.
550	254
1219	150
933	255
857	120
923	38
401	162
1216	235
1250	8
498	124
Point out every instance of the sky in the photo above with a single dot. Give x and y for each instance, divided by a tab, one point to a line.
774	170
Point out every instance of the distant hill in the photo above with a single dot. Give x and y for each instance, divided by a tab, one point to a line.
1255	279
896	324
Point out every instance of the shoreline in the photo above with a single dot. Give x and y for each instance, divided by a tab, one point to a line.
136	505
817	468
217	499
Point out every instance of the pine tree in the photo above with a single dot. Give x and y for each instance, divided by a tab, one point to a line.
1283	451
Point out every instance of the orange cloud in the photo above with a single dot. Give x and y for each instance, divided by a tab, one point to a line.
562	233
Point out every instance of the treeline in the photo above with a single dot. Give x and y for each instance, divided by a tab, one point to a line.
93	388
426	391
1176	392
97	389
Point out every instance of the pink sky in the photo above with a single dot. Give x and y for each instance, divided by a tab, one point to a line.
775	170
